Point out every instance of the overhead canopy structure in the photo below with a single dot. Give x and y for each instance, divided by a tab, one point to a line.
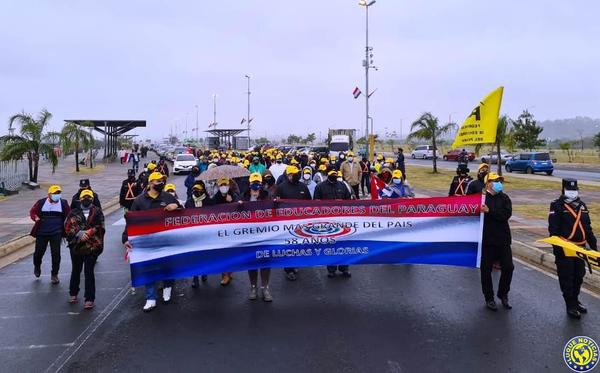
111	129
225	136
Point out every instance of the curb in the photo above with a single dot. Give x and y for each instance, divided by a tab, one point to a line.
22	246
545	261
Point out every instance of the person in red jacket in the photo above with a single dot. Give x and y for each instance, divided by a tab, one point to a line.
49	214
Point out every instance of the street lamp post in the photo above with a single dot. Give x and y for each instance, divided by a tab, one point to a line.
197	136
367	63
248	114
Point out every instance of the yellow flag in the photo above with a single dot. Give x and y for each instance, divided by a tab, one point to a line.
480	126
590	257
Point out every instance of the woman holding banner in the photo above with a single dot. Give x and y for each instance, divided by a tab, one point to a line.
256	192
225	194
198	198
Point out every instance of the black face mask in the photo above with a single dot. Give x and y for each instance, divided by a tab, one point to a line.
159	187
269	181
482	176
132	178
86	202
295	178
332	178
198	193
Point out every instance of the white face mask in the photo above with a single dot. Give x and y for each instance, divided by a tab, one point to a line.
350	159
342	156
571	194
397	181
306	176
224	189
339	179
172	193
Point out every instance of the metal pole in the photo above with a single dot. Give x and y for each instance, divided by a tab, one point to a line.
248	116
105	138
197	136
215	111
367	78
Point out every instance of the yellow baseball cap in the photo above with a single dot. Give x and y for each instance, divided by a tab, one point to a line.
482	166
198	186
156	176
322	167
223	181
279	157
294	162
307	171
169	187
339	173
86	193
54	188
397	174
324	160
389	160
255	177
291	170
350	154
492	176
332	172
151	166
380	157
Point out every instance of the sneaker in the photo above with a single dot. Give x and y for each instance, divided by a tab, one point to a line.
225	279
581	308
253	293
73	299
491	305
88	305
150	305
54	279
37	272
346	274
195	282
505	303
290	276
167	294
266	293
574	313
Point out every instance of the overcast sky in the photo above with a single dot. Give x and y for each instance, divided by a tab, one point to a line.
157	60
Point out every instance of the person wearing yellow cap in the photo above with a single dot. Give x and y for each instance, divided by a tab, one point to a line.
278	168
154	197
49	214
225	194
197	199
496	241
257	166
398	187
172	190
460	182
307	179
292	188
84	230
477	186
332	189
351	173
321	174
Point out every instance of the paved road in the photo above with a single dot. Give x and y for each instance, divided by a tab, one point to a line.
385	318
559	172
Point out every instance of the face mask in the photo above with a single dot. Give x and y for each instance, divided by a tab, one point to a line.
342	156
279	161
306	176
197	193
172	193
86	202
571	194
350	159
332	178
482	175
159	187
224	189
255	186
397	181
339	179
313	165
269	181
56	197
497	186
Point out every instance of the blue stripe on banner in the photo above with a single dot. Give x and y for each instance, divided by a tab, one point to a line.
236	259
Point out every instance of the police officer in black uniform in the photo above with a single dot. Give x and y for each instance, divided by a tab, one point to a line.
83	185
569	219
458	186
130	188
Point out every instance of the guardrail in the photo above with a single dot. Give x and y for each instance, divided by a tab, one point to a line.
12	174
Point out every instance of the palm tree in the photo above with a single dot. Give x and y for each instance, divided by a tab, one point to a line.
427	127
502	138
31	142
73	137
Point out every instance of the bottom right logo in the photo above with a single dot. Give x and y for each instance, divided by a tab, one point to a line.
581	354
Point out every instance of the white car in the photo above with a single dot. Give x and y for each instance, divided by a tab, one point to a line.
493	157
183	163
423	152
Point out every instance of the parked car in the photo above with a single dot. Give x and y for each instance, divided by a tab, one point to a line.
453	155
492	158
422	152
531	163
183	163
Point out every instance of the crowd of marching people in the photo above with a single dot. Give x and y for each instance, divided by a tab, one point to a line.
272	175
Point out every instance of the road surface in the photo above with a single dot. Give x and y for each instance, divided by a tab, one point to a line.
391	318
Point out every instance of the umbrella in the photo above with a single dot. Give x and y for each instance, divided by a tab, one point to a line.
225	171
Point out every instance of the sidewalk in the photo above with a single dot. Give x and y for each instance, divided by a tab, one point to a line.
105	180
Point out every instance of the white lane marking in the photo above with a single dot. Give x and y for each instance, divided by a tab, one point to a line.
17	221
10	317
67	354
48	292
119	222
34	347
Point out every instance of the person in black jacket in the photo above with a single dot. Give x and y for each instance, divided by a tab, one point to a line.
476	186
458	186
333	189
497	239
400	165
198	198
162	167
569	219
153	198
83	185
130	188
292	188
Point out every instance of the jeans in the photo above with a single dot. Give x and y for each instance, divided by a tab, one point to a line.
41	244
151	289
490	254
87	263
365	181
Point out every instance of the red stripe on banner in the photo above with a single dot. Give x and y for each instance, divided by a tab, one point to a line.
153	221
